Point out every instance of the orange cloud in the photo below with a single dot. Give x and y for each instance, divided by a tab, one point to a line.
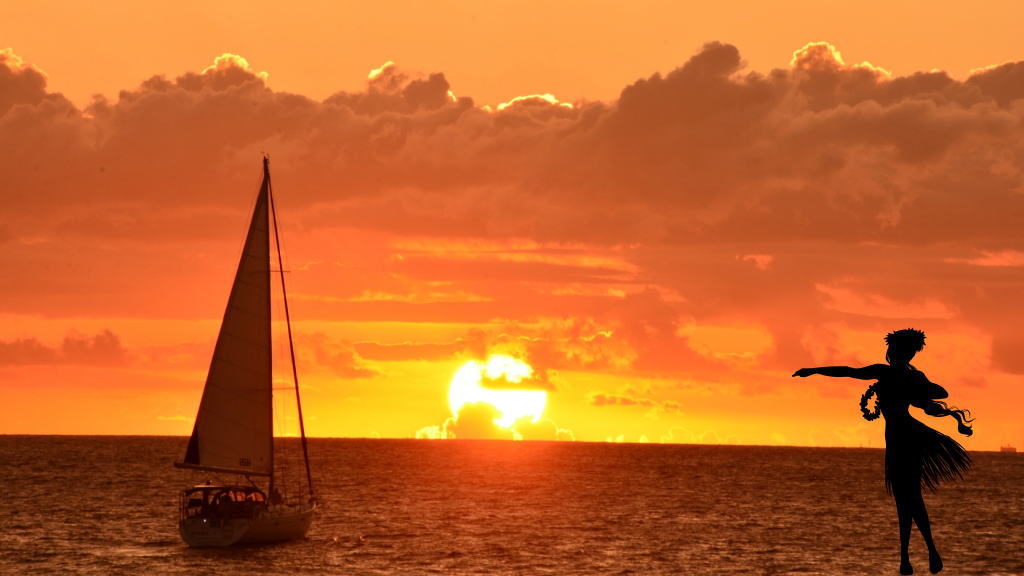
852	301
341	358
626	400
998	258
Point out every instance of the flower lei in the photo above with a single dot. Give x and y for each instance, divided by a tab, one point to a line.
870	415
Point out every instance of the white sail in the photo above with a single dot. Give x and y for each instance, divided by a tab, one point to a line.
234	427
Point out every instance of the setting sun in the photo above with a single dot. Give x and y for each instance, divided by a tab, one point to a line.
512	404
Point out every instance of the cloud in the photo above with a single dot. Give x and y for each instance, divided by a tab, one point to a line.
176	418
102	349
545	430
860	301
430	433
27	351
340	357
997	258
549	346
406	351
760	261
231	64
702	151
1003	83
476	421
602	399
19	83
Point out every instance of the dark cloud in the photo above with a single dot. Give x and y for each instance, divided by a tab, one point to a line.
1004	84
704	152
27	351
21	84
103	348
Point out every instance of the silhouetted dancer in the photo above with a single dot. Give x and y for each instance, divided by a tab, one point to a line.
915	455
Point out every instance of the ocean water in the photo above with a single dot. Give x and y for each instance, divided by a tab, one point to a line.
108	505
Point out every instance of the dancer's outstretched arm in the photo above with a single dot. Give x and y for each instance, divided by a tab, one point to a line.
872	372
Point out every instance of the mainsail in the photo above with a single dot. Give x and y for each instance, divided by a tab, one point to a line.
234	428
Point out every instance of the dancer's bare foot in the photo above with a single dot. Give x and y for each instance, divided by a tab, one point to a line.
934	562
905	567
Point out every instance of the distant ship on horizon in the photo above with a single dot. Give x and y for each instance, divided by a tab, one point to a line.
1008	448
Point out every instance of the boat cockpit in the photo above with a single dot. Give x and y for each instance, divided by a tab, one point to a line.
213	501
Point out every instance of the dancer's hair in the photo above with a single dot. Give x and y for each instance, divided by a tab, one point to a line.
963	417
908	339
911	340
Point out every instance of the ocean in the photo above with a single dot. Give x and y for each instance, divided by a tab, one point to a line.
109	505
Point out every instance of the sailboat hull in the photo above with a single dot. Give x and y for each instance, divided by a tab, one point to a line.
270	525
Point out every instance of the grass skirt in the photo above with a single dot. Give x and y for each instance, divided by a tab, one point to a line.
917	454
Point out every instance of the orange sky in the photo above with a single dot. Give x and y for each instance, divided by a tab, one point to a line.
708	203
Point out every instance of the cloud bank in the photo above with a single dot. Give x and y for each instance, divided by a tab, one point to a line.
710	225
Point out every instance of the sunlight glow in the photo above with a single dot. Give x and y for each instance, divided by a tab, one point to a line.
227	60
549	98
823	49
824	54
512	405
378	71
12	60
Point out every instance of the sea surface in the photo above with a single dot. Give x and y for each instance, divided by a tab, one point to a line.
109	505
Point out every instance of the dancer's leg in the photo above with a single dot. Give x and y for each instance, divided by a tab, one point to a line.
920	515
905	516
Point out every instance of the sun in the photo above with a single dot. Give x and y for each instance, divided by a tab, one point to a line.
512	404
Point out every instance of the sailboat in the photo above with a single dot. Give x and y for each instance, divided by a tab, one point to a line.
234	428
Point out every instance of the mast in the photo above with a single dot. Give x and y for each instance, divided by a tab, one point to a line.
288	323
265	189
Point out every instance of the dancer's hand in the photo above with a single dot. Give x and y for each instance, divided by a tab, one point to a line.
804	372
